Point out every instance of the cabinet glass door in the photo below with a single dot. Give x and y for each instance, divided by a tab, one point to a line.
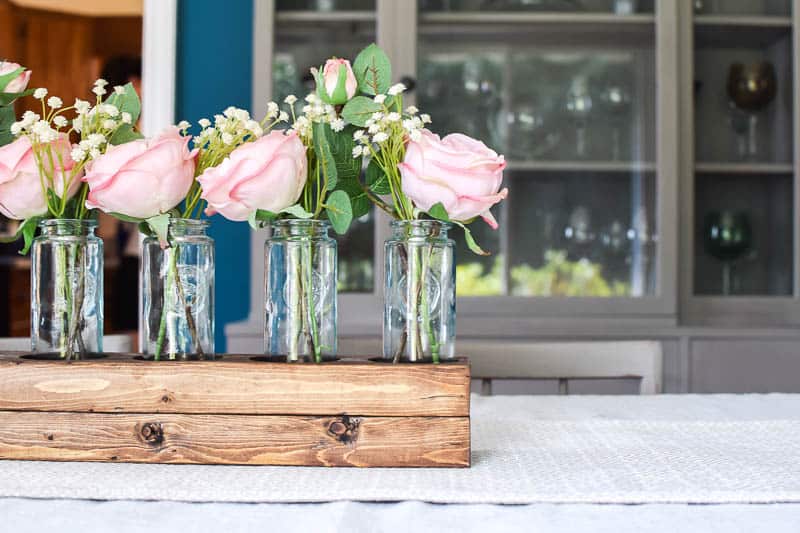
744	139
568	94
306	33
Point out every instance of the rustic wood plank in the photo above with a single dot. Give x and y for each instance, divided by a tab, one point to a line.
236	439
234	385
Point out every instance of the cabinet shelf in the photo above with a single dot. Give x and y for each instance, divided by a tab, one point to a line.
740	31
582	166
484	17
743	168
325	16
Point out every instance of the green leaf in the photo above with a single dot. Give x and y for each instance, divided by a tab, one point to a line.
359	201
26	230
358	110
341	144
376	178
126	218
340	211
8	98
146	230
7	118
297	211
473	246
439	212
127	102
7	78
160	226
125	134
259	217
322	149
373	70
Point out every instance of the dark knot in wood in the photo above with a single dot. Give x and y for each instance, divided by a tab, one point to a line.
344	429
152	433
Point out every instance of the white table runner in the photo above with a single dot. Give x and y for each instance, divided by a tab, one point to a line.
659	449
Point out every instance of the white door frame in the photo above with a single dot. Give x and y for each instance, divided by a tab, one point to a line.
159	44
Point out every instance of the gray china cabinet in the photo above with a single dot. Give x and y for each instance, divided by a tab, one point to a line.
652	169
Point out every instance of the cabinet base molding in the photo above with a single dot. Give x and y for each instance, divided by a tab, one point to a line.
235	410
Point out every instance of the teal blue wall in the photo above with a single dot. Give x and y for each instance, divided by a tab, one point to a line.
214	71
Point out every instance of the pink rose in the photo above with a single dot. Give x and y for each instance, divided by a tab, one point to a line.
142	178
461	173
21	194
339	82
267	174
18	84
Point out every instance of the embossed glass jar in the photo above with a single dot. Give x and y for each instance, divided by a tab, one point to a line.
300	299
176	318
419	314
67	289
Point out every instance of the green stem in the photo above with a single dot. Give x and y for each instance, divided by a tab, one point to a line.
62	288
426	316
309	287
165	305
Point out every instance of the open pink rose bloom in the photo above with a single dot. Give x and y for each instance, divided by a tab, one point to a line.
461	173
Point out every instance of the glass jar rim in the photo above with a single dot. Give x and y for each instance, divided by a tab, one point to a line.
194	222
421	223
302	222
54	222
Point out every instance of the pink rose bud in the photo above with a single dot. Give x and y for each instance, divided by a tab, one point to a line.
268	174
338	83
18	84
21	194
142	178
461	173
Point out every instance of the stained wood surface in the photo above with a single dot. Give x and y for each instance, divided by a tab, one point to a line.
236	439
234	385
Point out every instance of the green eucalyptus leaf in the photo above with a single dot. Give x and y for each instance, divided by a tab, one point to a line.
373	70
8	98
27	231
7	118
127	102
125	134
340	211
359	201
376	178
160	226
145	229
126	218
260	217
439	212
324	154
341	144
471	243
358	110
297	211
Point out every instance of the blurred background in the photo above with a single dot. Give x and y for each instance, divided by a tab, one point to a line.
651	148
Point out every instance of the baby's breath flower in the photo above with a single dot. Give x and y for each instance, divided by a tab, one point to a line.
380	137
119	89
184	125
81	106
379	98
110	110
109	124
396	89
77	124
416	135
254	127
100	82
98	90
94	153
426	118
78	154
393	117
60	121
126	118
373	128
204	122
54	102
337	125
358	151
227	138
40	93
412	110
283	116
272	110
96	139
377	115
291	99
312	98
358	134
16	128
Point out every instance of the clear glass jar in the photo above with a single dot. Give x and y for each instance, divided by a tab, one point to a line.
419	314
67	289
176	317
300	299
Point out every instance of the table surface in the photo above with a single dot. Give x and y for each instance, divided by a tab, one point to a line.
124	516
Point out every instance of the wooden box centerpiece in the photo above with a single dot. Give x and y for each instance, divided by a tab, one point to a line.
235	410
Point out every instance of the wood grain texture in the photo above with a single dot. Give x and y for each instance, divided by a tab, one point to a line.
236	439
234	385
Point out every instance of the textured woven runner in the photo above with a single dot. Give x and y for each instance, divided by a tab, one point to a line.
662	449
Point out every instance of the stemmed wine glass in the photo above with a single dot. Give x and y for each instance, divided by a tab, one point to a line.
615	99
579	107
751	88
728	237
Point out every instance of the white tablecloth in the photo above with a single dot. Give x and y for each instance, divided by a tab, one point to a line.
768	423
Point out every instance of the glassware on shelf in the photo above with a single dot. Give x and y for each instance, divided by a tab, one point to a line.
728	237
625	7
300	300
579	108
751	88
177	293
419	317
616	101
67	289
